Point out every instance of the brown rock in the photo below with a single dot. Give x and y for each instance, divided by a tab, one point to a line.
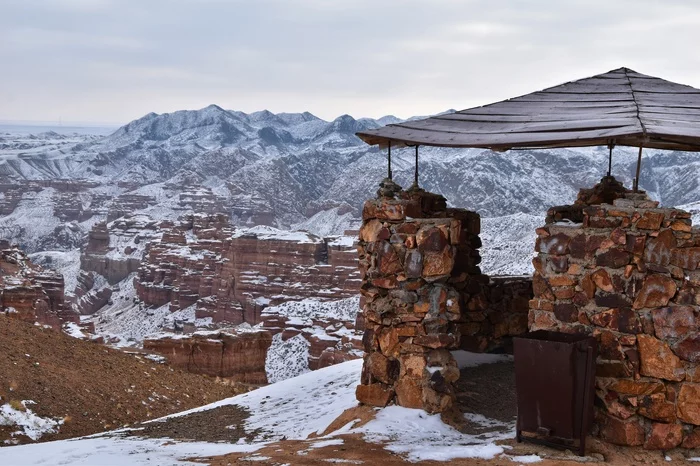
612	300
562	280
657	291
413	263
564	292
541	288
387	259
664	436
412	366
542	320
657	407
440	340
613	258
635	243
607	319
441	263
650	221
637	388
602	280
609	346
382	368
558	264
431	239
688	403
629	432
370	231
409	393
375	394
554	244
389	341
692	440
566	312
686	258
658	250
588	286
689	348
674	321
657	359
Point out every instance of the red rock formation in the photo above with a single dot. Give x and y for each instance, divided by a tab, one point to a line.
30	292
232	275
236	356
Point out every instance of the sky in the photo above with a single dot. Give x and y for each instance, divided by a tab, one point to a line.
111	61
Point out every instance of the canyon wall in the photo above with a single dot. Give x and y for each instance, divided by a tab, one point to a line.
29	292
231	275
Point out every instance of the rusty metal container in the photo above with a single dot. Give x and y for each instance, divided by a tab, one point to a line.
554	382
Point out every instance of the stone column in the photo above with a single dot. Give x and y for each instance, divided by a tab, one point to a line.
629	274
419	263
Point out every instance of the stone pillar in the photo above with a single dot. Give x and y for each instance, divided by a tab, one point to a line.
419	263
629	274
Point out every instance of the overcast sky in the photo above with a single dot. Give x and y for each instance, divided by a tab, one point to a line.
110	61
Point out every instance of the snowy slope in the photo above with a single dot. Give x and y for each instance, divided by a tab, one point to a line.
292	409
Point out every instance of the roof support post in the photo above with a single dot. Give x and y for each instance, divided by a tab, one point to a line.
415	174
639	166
610	146
389	172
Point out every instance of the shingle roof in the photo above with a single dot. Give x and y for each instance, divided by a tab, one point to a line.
622	107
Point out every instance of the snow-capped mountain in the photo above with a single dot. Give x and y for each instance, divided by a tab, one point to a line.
290	170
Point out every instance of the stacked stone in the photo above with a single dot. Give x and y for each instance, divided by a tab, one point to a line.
496	313
629	274
419	264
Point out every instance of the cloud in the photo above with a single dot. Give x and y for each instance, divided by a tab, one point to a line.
104	60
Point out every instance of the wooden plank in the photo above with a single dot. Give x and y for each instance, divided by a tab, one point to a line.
677	100
575	97
540	117
497	127
522	108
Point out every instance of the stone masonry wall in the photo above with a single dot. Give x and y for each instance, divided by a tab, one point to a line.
629	274
420	279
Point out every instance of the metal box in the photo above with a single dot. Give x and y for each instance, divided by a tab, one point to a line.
554	382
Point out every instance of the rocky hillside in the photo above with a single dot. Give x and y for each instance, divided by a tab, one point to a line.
54	386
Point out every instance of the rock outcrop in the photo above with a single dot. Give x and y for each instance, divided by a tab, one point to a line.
230	354
29	292
232	274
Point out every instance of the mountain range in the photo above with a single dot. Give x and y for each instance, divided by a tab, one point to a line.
293	171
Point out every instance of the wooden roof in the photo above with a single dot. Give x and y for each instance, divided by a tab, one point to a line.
622	107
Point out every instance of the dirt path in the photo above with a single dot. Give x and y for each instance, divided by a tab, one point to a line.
354	450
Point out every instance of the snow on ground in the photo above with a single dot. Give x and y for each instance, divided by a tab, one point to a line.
329	222
311	308
72	329
263	233
293	409
66	263
286	359
116	451
419	436
26	421
124	322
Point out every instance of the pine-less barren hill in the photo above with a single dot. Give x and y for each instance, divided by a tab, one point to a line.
86	387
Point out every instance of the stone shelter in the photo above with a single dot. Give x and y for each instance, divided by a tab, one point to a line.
613	265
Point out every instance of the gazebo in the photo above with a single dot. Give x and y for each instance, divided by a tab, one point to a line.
620	269
617	108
